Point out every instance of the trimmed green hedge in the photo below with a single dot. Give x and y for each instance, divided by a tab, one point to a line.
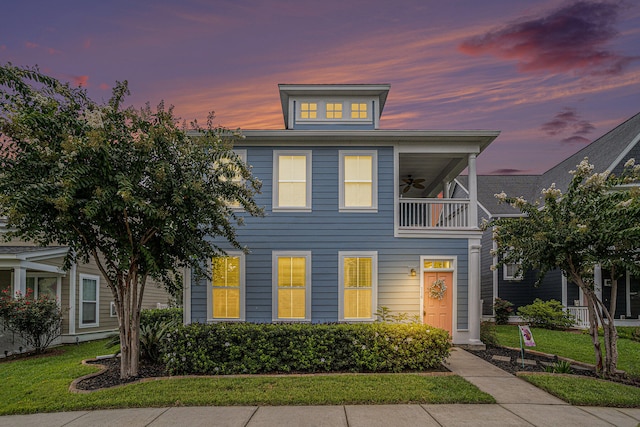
153	315
247	348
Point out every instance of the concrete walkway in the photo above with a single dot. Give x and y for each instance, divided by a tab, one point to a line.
518	404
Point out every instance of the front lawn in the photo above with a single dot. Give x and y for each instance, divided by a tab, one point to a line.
573	345
42	385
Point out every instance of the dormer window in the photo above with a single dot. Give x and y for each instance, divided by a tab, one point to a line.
358	110
334	110
308	110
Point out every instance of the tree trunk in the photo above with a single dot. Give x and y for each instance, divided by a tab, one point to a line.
593	329
129	322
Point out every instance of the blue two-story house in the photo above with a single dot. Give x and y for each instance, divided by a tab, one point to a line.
356	218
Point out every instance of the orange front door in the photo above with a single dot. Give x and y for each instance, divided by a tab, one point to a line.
438	312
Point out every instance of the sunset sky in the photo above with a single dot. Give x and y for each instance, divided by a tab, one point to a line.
551	75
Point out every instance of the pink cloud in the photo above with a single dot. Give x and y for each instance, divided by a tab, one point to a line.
87	43
566	39
568	120
53	51
3	47
31	45
104	86
81	81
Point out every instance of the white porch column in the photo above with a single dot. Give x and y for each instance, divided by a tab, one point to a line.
446	189
72	298
597	280
473	192
628	294
474	292
19	280
565	301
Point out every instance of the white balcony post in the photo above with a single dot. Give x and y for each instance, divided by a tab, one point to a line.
473	192
19	280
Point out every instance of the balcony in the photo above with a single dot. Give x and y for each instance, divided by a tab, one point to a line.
434	214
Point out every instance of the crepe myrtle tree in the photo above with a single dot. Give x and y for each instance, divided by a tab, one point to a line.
128	188
596	222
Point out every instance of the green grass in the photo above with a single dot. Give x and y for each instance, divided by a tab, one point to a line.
578	390
42	385
573	345
587	391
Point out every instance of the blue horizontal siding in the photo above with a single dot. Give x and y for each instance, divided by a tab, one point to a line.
325	231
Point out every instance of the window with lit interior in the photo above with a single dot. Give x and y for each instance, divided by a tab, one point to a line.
308	110
358	178
358	285
292	180
227	287
334	110
359	110
292	285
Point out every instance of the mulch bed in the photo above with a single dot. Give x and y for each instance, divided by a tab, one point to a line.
111	376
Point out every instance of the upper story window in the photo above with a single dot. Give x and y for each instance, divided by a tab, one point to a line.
308	110
334	110
358	180
292	180
359	110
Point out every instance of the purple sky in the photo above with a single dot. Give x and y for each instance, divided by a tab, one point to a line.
551	75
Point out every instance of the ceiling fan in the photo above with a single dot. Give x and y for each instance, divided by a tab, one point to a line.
410	182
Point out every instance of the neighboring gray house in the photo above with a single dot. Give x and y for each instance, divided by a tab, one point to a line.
609	152
354	220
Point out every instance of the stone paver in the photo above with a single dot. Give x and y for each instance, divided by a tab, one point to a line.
295	416
388	415
220	416
555	415
118	417
40	420
616	416
474	415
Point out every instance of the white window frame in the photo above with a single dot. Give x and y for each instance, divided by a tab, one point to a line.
374	181
97	301
374	283
507	276
276	180
112	309
274	281
210	317
36	285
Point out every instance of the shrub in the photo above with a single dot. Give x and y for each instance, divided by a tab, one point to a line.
503	310
560	367
37	321
384	314
150	316
488	334
247	348
546	314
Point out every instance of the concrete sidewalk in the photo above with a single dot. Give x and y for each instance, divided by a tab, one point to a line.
518	404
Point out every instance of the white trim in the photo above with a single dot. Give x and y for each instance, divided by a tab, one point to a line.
374	181
37	275
186	295
479	203
210	318
628	294
274	284
275	181
96	279
624	152
72	297
374	283
113	312
511	278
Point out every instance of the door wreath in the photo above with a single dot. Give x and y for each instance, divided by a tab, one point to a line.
437	289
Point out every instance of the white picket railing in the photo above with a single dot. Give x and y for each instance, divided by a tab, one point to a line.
582	316
420	214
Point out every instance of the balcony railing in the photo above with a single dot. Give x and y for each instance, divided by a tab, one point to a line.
433	214
582	316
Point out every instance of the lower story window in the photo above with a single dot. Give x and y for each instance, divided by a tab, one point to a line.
227	287
89	300
292	285
358	285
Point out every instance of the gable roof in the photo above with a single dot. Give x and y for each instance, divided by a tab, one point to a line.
605	153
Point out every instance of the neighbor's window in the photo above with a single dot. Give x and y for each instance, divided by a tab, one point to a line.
89	300
292	180
42	285
510	271
358	285
358	177
358	110
292	285
334	110
237	178
308	110
227	287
